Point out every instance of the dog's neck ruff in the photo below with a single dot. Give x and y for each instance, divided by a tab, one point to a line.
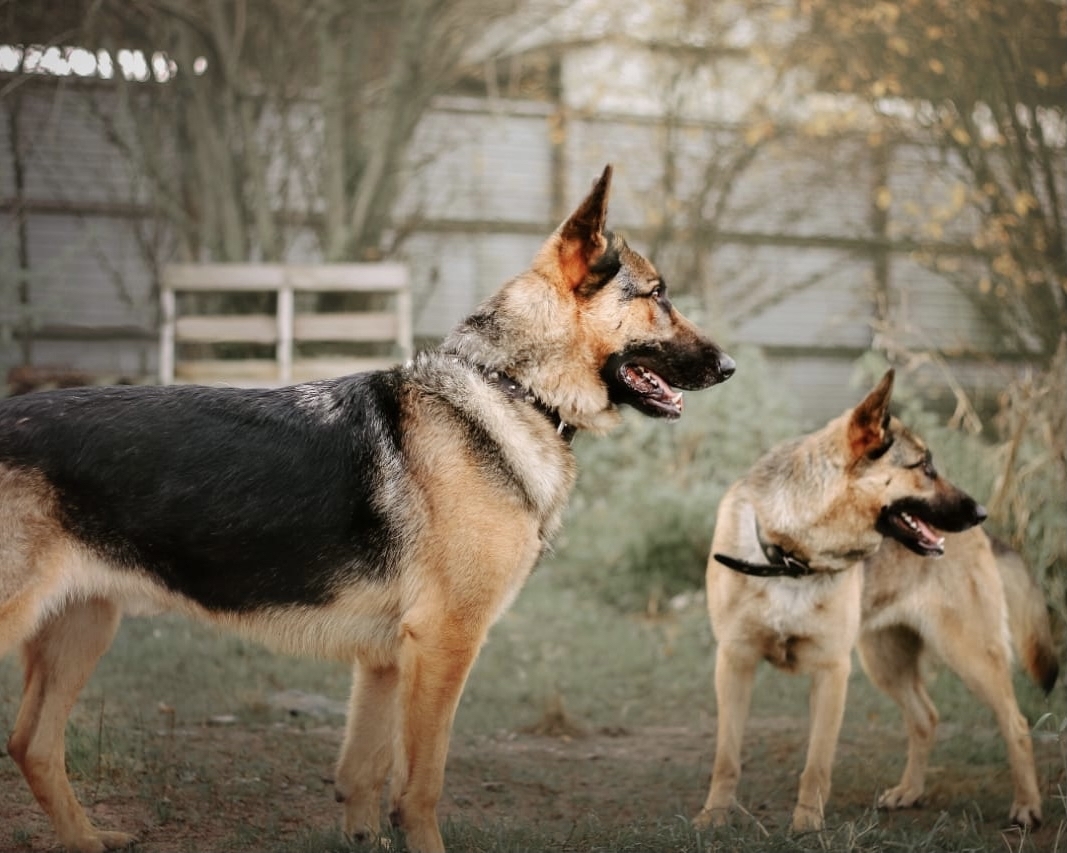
780	563
517	391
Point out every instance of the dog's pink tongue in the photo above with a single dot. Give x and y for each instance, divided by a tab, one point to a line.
667	394
931	536
653	385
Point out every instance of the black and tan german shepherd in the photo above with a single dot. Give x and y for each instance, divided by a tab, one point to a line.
785	574
384	519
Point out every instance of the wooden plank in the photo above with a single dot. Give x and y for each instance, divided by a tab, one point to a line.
223	277
307	369
405	335
384	277
263	373
346	326
370	278
244	372
227	328
166	337
284	353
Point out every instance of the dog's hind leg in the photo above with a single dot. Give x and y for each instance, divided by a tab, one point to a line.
983	661
367	752
829	688
734	676
891	659
59	659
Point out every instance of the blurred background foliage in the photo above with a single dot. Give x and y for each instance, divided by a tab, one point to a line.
641	521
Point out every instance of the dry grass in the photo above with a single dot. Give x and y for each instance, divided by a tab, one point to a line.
178	739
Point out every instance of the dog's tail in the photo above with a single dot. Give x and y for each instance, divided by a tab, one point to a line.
1028	619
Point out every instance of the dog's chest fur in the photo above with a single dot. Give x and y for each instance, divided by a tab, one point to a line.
798	623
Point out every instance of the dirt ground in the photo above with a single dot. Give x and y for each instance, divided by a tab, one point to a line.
233	786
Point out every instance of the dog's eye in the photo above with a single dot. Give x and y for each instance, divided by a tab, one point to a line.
927	467
658	292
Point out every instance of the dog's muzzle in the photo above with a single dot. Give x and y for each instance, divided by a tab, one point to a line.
648	377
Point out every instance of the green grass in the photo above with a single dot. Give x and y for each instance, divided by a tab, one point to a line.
176	737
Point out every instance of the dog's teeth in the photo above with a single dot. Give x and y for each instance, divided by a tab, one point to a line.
941	541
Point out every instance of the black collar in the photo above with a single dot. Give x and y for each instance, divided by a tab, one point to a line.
516	391
780	563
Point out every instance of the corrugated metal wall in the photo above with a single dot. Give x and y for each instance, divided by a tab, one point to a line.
792	269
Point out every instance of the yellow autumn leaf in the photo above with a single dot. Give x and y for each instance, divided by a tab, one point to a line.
1004	266
959	196
984	285
1024	202
961	136
899	45
756	133
887	12
937	66
883	197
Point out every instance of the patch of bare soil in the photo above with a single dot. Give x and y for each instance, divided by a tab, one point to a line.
232	787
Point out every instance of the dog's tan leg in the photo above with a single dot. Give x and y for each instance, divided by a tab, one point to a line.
435	660
59	659
734	676
984	665
18	615
829	688
890	658
367	751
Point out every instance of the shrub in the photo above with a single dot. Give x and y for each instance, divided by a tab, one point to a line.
643	512
642	517
1028	501
1016	465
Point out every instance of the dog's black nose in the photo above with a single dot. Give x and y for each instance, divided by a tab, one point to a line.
980	514
726	367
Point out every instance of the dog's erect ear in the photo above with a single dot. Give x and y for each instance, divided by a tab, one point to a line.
582	238
869	422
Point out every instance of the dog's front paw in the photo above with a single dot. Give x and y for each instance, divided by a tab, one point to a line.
361	819
1026	815
807	819
98	841
117	840
708	818
903	796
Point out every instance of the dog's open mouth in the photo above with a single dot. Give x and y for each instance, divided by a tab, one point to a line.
654	395
910	530
647	377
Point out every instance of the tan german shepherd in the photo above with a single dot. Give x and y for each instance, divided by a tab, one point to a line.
785	575
385	519
969	609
